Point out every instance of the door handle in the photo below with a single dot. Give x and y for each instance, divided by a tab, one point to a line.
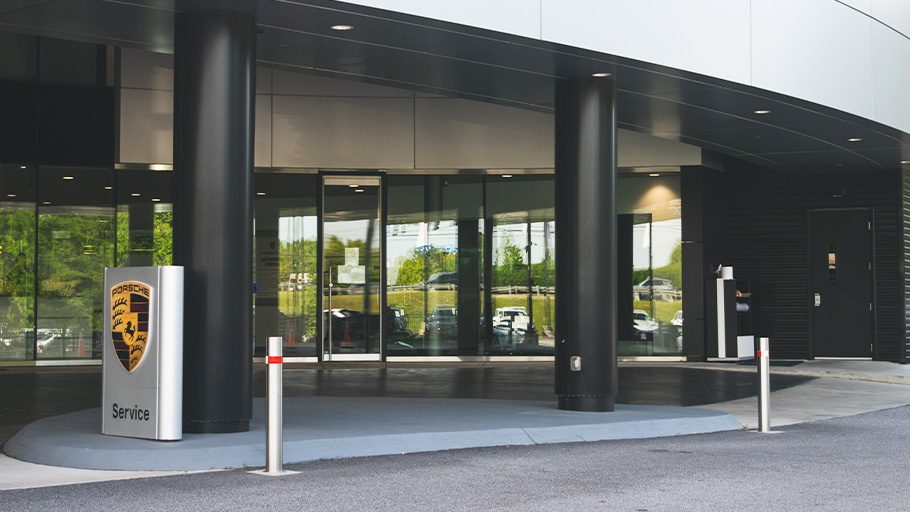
818	299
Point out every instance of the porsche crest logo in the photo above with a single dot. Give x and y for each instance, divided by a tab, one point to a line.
130	322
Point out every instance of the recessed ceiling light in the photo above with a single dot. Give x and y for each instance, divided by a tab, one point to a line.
506	175
654	175
602	75
260	193
855	139
156	200
135	194
905	161
359	190
46	202
68	177
761	112
108	188
22	167
342	27
353	186
10	195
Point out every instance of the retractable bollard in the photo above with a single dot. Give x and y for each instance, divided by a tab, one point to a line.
274	442
764	385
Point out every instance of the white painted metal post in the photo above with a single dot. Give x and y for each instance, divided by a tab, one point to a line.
764	385
274	441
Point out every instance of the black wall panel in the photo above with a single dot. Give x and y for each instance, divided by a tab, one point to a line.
703	224
76	125
18	125
766	243
905	261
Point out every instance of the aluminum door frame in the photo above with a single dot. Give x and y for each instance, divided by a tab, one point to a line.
347	180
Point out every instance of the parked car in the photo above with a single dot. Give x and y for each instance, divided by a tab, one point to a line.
677	319
513	317
441	281
442	321
642	325
663	289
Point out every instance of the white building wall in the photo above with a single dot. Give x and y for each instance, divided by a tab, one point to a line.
831	52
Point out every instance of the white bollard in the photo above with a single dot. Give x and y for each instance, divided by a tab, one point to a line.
273	441
764	385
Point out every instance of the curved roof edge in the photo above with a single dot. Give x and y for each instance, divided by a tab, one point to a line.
849	55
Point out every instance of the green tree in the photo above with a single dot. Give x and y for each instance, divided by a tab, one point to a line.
672	270
419	266
509	269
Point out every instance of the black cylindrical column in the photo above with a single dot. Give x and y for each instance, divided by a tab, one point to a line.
214	82
586	370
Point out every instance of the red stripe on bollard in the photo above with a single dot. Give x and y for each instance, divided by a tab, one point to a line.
274	360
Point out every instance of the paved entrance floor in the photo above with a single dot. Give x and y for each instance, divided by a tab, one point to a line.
31	394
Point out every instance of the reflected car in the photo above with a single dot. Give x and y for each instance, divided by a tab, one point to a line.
442	321
514	317
441	281
663	290
677	319
47	338
642	325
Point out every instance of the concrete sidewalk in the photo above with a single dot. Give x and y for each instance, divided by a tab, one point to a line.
330	427
318	428
870	371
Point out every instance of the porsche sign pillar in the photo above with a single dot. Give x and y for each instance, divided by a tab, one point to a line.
142	389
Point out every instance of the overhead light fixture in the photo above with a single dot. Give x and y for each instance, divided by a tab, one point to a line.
260	193
23	167
68	178
855	139
353	186
108	188
156	200
135	194
359	190
654	175
762	112
10	195
46	202
602	75
342	27
506	175
905	161
282	45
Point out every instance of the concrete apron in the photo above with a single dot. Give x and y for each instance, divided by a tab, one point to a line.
819	399
332	427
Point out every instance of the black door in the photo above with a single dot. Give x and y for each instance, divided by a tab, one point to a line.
840	283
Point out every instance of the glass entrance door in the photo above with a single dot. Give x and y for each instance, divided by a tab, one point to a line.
351	269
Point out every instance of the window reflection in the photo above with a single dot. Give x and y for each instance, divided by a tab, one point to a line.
285	262
76	231
145	219
657	266
434	240
523	244
17	263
